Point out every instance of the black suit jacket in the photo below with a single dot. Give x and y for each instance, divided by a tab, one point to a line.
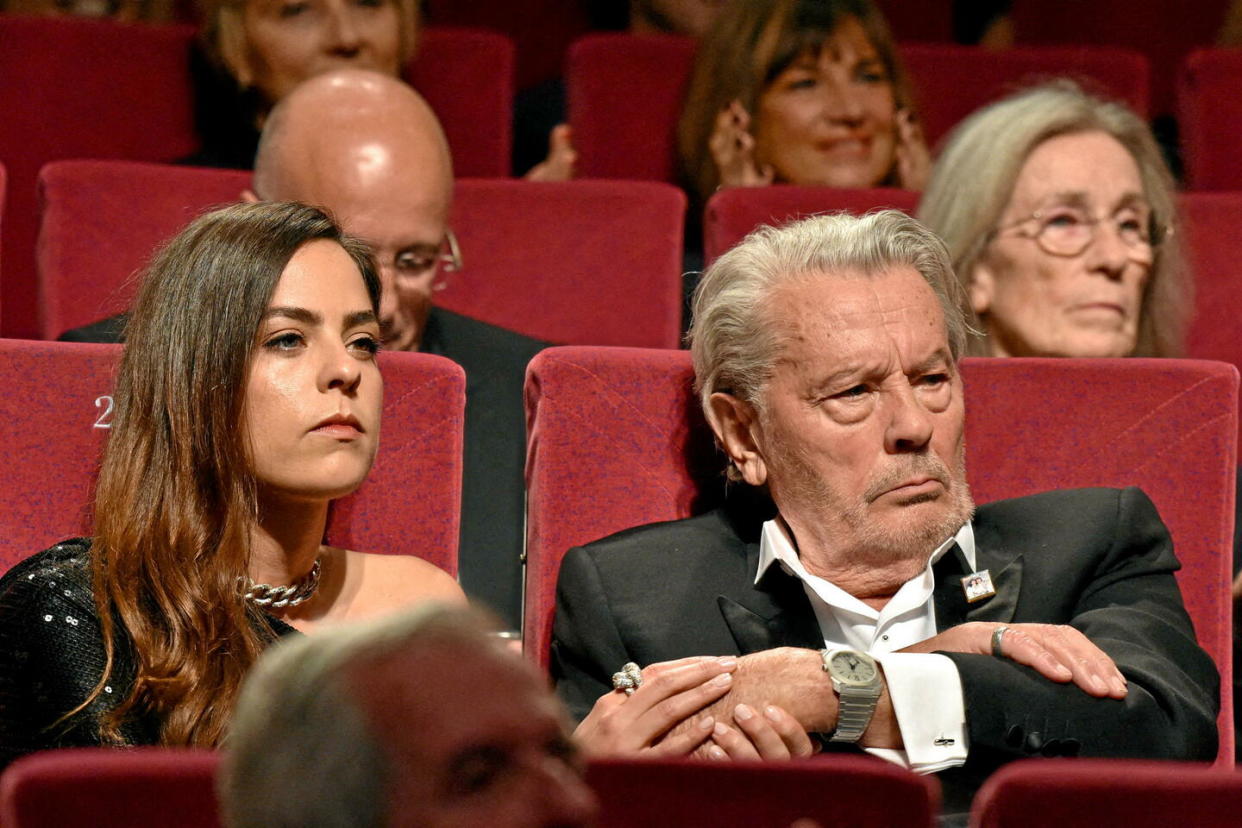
1097	559
493	498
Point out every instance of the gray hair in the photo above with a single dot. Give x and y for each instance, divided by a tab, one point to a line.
734	345
301	752
974	178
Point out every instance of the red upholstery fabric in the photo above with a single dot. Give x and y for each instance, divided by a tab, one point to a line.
1209	112
56	403
102	221
467	76
1086	793
925	21
616	440
1163	30
582	262
832	790
624	96
74	88
1212	222
108	788
734	212
951	81
578	262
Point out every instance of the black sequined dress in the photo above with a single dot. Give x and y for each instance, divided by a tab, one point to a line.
52	656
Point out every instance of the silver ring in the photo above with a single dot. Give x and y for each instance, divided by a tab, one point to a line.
629	679
997	635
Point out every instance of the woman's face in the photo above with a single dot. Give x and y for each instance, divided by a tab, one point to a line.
1039	296
829	119
288	41
314	393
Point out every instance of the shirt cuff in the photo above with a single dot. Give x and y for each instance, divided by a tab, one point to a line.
926	692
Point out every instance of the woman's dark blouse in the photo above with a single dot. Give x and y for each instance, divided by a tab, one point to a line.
52	656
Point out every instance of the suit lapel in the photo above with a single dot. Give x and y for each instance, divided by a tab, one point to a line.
1005	567
773	613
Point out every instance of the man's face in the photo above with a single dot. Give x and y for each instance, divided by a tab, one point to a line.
860	439
476	738
397	200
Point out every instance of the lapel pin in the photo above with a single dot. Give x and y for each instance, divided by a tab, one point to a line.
978	586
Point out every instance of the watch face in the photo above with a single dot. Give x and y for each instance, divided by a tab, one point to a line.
847	666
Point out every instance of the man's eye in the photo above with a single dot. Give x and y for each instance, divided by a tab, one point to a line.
851	393
415	263
293	9
934	379
478	773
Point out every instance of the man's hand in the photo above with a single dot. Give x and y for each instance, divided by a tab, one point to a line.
1058	652
671	692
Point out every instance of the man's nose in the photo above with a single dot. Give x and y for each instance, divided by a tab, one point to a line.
910	423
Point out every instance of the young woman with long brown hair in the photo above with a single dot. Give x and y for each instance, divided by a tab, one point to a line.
248	397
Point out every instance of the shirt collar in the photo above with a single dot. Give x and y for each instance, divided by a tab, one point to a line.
776	545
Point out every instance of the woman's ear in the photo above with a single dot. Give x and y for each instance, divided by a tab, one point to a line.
982	287
737	428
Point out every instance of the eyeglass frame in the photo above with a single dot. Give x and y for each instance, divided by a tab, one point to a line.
450	262
1158	234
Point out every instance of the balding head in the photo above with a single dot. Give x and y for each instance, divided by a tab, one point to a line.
369	149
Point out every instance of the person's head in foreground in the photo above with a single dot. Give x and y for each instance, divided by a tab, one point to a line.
419	719
807	92
247	399
1058	211
268	47
825	355
368	148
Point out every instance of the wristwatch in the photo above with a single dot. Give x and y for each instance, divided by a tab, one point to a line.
856	680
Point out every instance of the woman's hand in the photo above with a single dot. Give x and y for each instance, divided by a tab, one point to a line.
561	160
733	149
671	692
914	161
773	735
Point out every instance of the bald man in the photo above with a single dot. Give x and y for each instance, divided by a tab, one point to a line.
369	149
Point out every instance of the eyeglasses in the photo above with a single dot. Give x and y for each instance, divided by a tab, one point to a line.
414	265
1068	229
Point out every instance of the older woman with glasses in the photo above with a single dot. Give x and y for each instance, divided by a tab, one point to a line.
1058	211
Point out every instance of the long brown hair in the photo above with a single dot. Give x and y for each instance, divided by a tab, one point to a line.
751	43
176	498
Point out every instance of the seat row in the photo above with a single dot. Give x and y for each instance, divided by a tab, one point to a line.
150	787
615	440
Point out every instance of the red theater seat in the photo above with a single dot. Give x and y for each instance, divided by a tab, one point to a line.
1209	112
617	440
110	788
625	94
840	790
1086	793
56	411
467	76
950	82
74	88
734	212
580	262
1214	253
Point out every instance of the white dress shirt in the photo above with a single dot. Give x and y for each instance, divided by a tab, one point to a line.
925	689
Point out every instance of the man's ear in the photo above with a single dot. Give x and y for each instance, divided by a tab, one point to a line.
982	288
736	422
248	197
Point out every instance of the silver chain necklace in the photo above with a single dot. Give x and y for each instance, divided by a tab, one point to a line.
280	597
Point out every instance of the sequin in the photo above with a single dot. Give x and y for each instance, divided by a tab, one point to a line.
71	621
47	618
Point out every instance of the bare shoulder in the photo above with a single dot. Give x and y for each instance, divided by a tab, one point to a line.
391	581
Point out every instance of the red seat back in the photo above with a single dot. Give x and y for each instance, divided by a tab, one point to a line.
57	408
617	440
950	82
625	94
1214	247
467	76
1085	793
583	262
758	795
734	212
1209	113
579	262
74	88
102	222
110	788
